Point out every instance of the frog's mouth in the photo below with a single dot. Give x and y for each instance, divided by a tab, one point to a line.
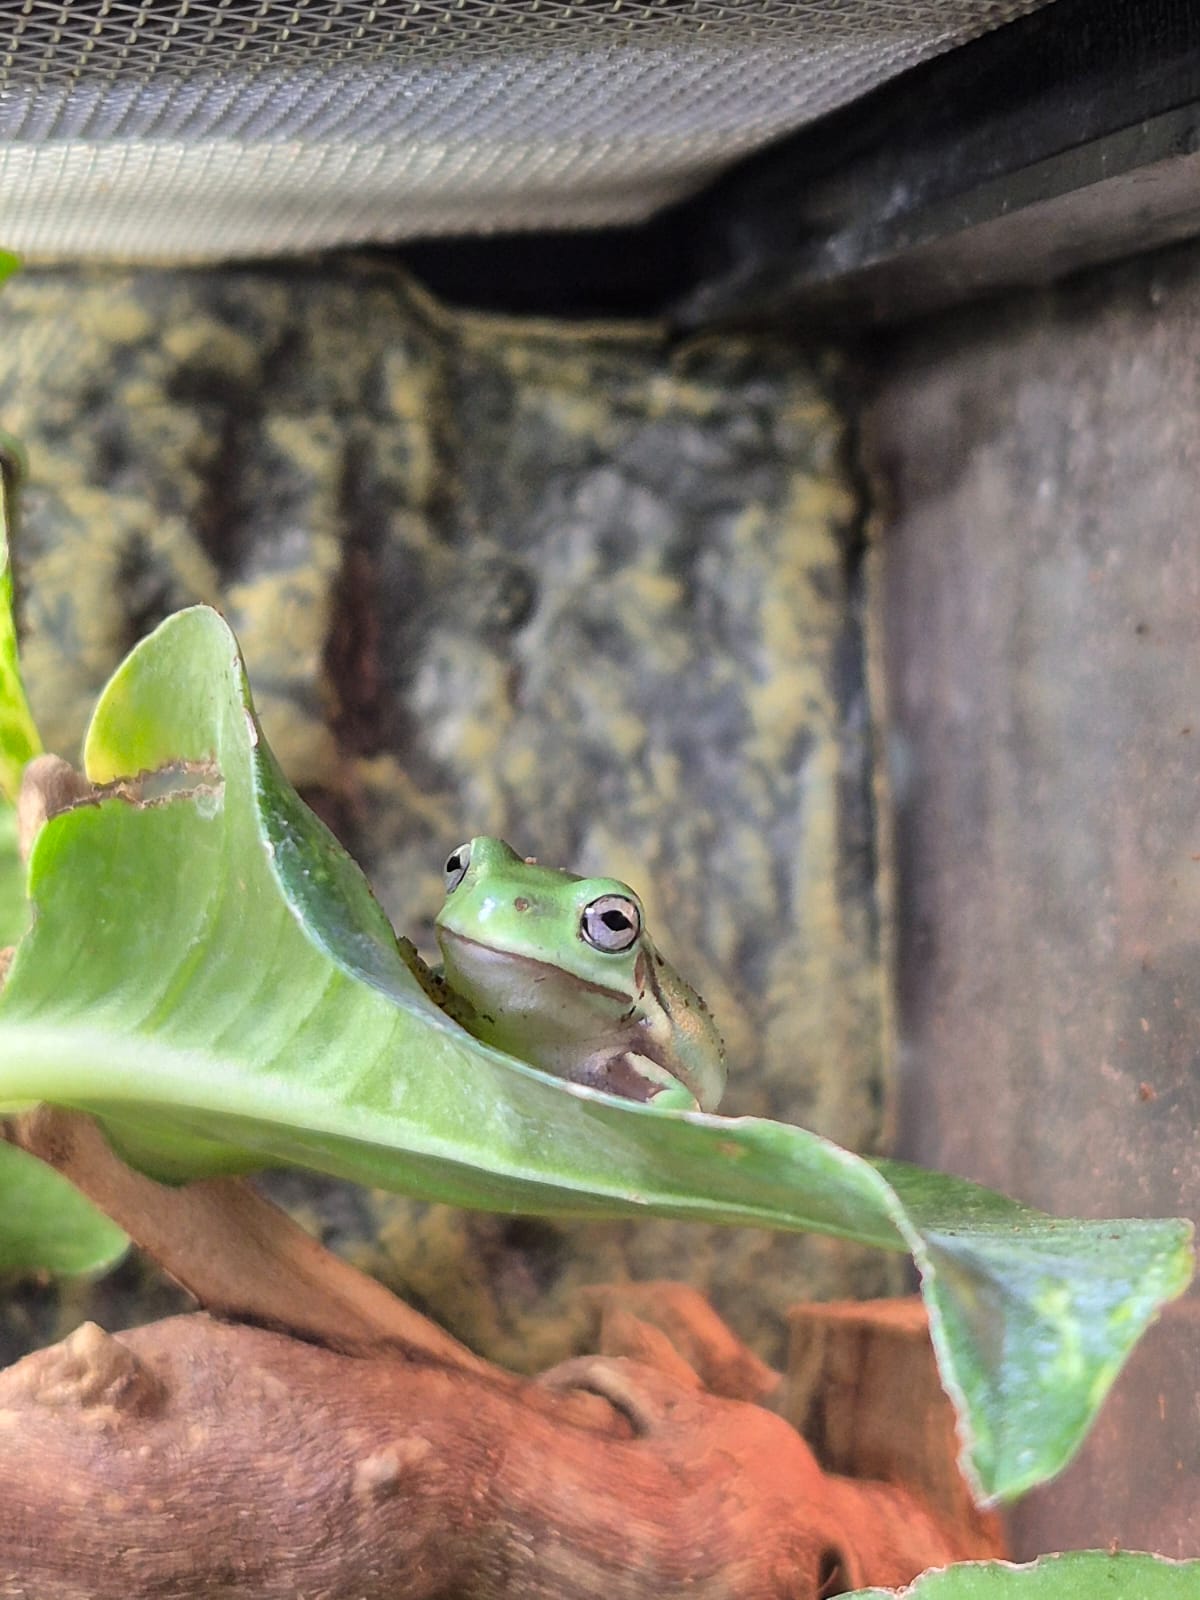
487	955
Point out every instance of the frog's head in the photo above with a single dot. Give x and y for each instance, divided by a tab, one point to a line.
538	923
561	972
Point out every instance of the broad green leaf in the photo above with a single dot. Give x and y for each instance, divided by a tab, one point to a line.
46	1224
209	974
18	734
14	908
1078	1575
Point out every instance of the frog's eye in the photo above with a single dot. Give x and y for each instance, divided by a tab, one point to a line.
611	923
456	866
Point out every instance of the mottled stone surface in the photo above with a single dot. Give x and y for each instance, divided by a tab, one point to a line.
1038	607
564	585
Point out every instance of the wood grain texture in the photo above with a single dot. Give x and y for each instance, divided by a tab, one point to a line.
351	1450
199	1458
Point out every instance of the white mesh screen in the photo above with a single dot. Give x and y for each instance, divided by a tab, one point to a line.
193	129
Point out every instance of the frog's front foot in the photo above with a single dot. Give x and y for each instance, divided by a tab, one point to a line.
652	1083
675	1097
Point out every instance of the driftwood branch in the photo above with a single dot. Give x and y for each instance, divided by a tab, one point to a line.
319	1439
236	1252
862	1387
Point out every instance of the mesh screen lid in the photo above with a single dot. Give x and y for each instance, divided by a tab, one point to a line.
196	129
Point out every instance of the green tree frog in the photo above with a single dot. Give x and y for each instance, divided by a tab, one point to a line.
560	972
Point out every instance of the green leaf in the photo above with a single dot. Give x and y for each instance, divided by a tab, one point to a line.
8	264
1079	1575
47	1225
14	908
209	974
18	735
19	740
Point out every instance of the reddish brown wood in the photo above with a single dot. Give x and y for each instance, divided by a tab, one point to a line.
235	1251
352	1451
200	1458
661	1322
863	1389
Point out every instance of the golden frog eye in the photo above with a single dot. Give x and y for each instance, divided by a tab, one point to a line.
611	923
456	866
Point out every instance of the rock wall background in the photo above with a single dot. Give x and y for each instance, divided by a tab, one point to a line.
565	584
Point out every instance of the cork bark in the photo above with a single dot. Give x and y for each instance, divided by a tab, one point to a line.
307	1434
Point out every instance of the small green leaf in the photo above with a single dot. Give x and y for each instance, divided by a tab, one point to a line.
46	1225
8	264
19	740
1078	1575
209	974
14	908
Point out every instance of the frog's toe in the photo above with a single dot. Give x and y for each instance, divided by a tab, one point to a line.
675	1097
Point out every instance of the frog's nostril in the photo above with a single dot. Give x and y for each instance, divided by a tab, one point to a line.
520	903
